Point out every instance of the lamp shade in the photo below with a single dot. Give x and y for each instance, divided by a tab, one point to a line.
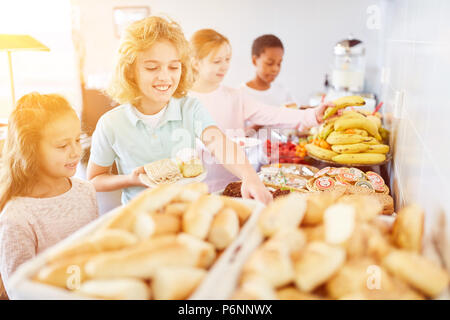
19	42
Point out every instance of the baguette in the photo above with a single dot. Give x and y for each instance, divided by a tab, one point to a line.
116	289
317	203
65	273
103	240
317	264
199	216
224	228
176	209
176	283
140	263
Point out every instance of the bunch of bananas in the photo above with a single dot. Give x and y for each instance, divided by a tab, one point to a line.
355	138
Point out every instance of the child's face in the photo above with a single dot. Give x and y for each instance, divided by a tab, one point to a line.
158	72
268	64
60	148
214	66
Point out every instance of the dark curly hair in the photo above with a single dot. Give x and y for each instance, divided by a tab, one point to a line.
265	41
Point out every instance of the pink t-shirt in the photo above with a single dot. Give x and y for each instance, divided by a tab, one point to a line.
230	108
28	226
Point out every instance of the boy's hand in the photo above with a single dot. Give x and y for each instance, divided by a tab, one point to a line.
134	177
253	188
320	110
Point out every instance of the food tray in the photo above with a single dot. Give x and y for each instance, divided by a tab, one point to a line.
298	166
22	287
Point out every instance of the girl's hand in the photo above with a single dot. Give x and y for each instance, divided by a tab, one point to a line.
252	187
134	177
320	110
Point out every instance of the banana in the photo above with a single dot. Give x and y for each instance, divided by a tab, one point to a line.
353	123
377	148
319	152
351	148
359	158
372	141
345	138
352	114
375	120
326	130
343	102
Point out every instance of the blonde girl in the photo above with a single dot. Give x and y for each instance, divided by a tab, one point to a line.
41	202
229	107
156	119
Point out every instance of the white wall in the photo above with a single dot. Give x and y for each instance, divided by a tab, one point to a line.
417	97
308	29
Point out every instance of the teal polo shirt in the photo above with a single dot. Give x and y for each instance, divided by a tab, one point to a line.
122	137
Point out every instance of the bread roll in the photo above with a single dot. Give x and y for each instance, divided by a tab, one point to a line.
102	240
367	241
144	226
386	201
408	228
317	203
317	264
255	288
192	192
242	210
65	273
292	293
359	276
140	263
339	222
176	283
367	207
199	216
285	212
292	240
166	223
316	233
272	264
116	289
204	251
224	228
417	271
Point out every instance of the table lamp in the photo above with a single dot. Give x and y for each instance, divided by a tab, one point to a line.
18	42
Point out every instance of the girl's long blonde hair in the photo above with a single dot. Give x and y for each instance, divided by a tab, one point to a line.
20	155
138	37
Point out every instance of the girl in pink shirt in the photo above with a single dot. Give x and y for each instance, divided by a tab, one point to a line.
231	108
40	201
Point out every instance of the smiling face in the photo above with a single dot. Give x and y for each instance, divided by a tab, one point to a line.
268	64
60	148
214	66
158	73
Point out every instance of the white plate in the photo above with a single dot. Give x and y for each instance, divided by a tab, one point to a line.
146	180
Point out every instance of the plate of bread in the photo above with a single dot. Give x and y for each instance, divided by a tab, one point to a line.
167	243
166	171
